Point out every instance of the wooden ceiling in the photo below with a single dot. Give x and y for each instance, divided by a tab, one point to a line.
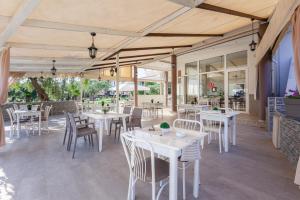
39	31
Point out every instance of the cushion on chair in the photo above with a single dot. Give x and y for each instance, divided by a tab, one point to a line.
161	169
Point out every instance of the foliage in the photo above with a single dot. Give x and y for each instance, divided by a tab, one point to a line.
154	88
295	94
22	91
56	89
164	125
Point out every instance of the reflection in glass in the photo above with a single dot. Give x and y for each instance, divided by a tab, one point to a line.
236	90
212	64
212	87
191	82
238	59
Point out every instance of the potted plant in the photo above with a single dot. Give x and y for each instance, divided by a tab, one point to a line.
105	109
292	104
164	127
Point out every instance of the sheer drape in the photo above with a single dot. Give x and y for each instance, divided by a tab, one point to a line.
296	44
4	75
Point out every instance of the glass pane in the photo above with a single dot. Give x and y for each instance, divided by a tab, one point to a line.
191	88
212	87
180	91
236	90
238	59
212	64
191	68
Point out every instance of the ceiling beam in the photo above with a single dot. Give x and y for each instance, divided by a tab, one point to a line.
142	55
19	17
71	27
188	3
230	36
161	47
218	9
112	63
148	48
52	47
105	67
47	60
182	35
147	30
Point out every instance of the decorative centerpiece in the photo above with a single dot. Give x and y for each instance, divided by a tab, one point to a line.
215	109
106	108
164	127
292	104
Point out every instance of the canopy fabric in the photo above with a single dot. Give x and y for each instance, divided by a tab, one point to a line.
4	76
281	16
129	87
60	29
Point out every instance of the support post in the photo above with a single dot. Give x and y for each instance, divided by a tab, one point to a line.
166	88
264	78
117	83
174	82
81	89
135	81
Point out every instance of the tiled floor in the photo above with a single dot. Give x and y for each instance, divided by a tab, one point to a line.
40	168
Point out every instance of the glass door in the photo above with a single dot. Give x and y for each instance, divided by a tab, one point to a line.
237	90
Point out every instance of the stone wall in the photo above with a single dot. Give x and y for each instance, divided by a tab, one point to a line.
290	139
58	107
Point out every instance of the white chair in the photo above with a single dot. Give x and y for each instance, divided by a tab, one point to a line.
146	169
44	118
15	107
193	151
23	107
13	121
212	124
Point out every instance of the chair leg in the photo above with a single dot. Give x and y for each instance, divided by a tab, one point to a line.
183	182
65	136
116	129
97	142
92	140
70	141
119	134
74	148
220	142
110	126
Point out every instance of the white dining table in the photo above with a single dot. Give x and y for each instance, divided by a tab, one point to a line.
194	108
226	118
171	146
103	119
27	113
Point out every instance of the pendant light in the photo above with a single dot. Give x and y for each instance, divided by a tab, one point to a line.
253	43
41	77
53	69
92	49
112	71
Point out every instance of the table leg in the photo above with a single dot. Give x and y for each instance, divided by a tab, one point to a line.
226	134
234	130
106	126
18	125
173	176
124	123
100	134
39	124
196	178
